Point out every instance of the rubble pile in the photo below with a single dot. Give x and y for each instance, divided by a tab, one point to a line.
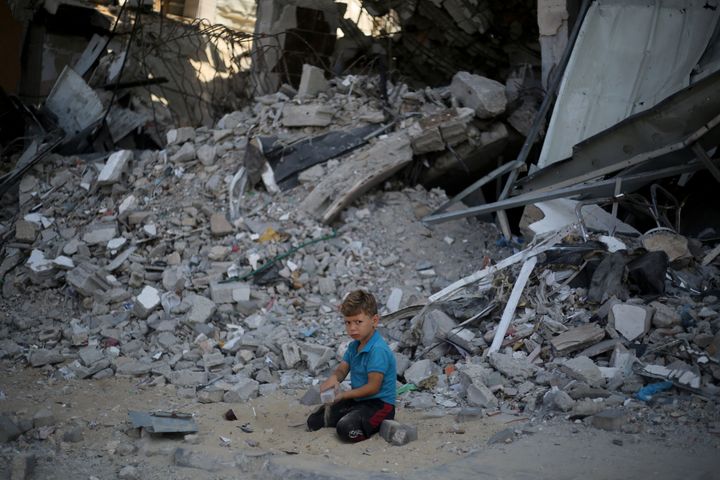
155	264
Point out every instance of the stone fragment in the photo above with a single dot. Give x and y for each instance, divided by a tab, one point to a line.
478	395
311	396
394	300
100	233
435	326
41	357
9	430
312	175
242	391
201	308
180	135
485	96
315	356
186	153
219	226
188	378
420	371
133	368
312	81
210	395
43	418
146	302
631	321
291	354
309	115
173	279
206	154
584	369
517	368
578	338
41	268
229	292
25	232
90	355
114	167
664	316
326	286
398	433
611	420
63	263
557	399
74	435
128	472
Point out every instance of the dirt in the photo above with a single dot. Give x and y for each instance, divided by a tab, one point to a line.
275	424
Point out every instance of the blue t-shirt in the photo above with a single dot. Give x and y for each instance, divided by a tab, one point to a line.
375	356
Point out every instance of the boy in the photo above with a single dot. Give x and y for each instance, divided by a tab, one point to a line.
358	413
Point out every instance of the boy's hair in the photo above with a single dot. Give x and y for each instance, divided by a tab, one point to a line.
359	301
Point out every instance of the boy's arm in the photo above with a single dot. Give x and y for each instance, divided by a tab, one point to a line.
336	377
372	387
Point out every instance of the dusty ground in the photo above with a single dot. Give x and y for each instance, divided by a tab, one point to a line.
559	449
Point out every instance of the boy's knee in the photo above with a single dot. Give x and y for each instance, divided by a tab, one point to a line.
316	420
350	431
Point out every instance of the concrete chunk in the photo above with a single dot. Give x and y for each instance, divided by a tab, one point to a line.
219	226
512	367
398	433
114	167
201	308
180	135
185	154
478	395
421	371
230	292
25	232
611	420
312	115
583	369
485	96
100	233
631	321
578	338
312	81
146	302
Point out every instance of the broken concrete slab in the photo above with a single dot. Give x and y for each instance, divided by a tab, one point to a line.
631	321
180	135
315	356
114	168
421	371
478	395
201	308
578	338
312	81
146	302
485	96
583	369
398	433
25	232
219	225
185	154
309	115
508	365
229	292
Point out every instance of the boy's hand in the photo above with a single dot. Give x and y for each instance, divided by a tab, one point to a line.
331	382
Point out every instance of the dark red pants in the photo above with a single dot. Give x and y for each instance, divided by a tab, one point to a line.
353	420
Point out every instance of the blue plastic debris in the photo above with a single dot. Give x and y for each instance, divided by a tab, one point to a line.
646	393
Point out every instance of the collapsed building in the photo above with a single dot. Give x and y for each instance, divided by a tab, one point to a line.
193	191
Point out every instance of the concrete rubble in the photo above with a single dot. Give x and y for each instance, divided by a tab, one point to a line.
159	281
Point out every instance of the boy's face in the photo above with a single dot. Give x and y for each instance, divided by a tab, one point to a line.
361	326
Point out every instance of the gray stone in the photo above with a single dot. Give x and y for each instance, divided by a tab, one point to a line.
503	436
43	418
312	81
311	396
186	153
394	300
114	168
517	368
583	369
173	279
210	395
611	420
402	362
146	302
133	368
219	226
316	356
242	391
291	354
420	371
100	233
587	407
91	355
183	457
74	435
25	232
326	286
485	96
631	321
41	357
180	135
9	430
398	433
188	378
211	360
128	472
436	324
201	308
478	395
206	154
556	399
310	115
229	292
664	316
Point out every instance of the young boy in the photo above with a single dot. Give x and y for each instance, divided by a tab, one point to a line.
358	413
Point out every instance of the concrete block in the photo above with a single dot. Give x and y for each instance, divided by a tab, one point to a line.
512	367
312	81
311	115
556	399
206	154
398	433
230	292
611	420
201	308
584	369
180	135
485	96
421	371
114	168
478	395
146	302
186	153
219	226
394	300
25	232
291	354
315	356
327	286
242	391
631	321
664	316
100	233
188	378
